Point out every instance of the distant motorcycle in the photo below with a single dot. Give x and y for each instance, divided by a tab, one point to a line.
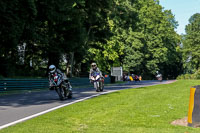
159	77
61	87
136	78
98	81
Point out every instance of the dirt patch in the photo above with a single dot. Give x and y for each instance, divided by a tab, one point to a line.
180	122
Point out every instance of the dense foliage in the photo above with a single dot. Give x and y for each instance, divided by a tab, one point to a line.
136	34
191	44
191	49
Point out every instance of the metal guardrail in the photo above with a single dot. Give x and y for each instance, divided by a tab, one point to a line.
23	84
29	84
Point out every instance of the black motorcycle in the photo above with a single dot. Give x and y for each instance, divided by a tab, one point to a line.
61	87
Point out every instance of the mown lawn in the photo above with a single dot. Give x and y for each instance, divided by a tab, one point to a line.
141	110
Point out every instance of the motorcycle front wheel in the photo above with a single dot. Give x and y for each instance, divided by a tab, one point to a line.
96	86
69	93
60	93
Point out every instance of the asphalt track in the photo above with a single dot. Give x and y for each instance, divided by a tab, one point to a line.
20	107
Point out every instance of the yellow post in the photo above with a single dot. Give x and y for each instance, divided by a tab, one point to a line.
191	104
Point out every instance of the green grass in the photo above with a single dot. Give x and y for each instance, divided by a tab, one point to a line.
141	110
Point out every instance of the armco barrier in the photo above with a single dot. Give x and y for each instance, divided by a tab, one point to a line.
22	84
194	107
29	84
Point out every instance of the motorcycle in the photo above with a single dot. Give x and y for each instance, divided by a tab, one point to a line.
98	81
159	77
61	87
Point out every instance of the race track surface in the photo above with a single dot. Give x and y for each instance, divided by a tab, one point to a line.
16	108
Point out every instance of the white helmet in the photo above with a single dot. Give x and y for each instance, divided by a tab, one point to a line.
157	72
94	65
52	68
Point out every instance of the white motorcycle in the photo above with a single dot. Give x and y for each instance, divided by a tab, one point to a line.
159	77
98	81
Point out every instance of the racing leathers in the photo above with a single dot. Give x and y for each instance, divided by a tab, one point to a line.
95	70
64	78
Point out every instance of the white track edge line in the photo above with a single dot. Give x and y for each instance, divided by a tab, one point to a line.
52	109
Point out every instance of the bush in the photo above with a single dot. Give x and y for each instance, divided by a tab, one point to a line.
185	76
195	75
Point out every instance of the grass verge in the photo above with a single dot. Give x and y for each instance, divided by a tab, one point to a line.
141	110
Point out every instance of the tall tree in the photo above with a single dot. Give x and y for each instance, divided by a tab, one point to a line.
14	16
152	41
191	44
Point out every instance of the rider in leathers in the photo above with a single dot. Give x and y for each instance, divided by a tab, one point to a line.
94	68
52	71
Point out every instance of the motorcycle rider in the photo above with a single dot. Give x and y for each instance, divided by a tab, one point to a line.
94	68
158	76
52	71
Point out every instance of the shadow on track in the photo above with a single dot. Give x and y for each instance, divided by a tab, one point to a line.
48	97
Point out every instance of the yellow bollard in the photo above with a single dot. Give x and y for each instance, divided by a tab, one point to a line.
191	105
194	107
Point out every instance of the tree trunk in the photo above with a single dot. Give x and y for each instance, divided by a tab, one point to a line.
71	63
